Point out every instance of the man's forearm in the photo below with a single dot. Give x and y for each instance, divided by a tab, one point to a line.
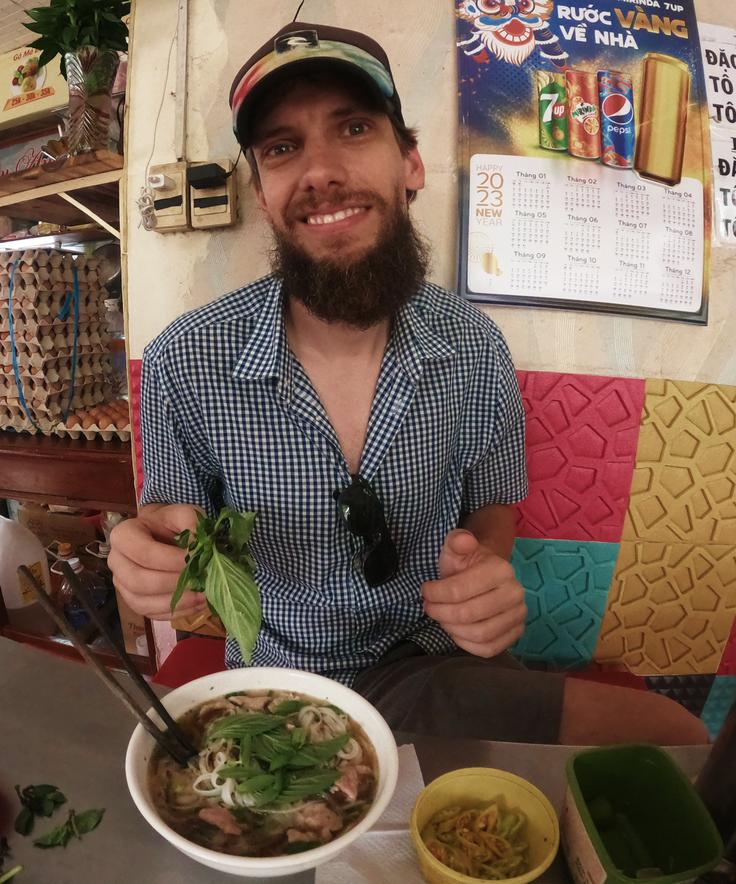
494	527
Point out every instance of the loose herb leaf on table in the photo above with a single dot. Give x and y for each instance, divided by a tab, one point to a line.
4	854
41	800
76	825
219	564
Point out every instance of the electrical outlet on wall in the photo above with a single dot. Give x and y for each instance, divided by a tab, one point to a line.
213	194
168	182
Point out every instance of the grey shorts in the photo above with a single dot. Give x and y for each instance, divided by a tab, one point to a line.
462	696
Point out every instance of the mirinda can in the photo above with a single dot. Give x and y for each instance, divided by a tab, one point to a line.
660	143
583	114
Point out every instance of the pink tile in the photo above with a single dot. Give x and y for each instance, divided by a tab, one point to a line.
582	434
728	660
135	412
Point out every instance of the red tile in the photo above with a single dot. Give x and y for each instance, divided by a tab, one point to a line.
582	435
135	413
728	660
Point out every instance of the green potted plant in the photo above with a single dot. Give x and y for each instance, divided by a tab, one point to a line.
87	34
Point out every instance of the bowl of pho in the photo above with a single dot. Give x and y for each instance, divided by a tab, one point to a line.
292	768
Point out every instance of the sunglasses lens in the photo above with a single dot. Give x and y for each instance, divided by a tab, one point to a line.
380	561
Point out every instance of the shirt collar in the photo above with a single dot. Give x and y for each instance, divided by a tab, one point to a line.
263	355
414	341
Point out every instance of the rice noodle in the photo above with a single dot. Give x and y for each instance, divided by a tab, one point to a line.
322	723
351	751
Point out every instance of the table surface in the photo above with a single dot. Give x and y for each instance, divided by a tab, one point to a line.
59	724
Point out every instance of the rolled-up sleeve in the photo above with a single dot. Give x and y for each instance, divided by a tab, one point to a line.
175	468
495	431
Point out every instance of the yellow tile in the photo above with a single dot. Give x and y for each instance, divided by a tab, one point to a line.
685	476
670	608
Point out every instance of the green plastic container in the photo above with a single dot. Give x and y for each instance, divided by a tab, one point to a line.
631	815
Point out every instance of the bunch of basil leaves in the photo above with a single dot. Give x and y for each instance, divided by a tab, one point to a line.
219	563
277	765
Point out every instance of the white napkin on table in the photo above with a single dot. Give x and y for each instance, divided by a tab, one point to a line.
385	854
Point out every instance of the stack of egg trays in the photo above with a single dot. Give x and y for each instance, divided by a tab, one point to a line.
44	343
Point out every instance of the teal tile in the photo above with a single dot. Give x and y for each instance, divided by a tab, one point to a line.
720	699
566	583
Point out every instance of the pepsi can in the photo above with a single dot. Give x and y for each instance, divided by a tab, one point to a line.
618	128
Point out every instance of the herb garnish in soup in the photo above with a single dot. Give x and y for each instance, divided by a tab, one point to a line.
277	773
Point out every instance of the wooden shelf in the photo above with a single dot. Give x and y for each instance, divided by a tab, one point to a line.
58	644
69	472
34	194
55	240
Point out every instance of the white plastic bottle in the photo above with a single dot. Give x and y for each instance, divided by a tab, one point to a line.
19	546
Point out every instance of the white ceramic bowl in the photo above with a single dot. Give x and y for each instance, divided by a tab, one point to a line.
183	698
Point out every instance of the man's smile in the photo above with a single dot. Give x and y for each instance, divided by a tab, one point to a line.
330	218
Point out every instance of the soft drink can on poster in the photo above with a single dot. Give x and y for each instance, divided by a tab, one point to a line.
552	102
660	145
618	128
583	115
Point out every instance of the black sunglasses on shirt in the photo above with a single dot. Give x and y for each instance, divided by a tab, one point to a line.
362	510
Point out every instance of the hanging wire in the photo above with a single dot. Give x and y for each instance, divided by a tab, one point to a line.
145	200
297	12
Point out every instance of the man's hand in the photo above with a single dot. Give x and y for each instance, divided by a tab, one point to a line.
146	564
477	599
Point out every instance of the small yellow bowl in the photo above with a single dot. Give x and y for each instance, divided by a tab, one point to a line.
474	786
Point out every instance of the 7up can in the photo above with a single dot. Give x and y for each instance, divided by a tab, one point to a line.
552	99
583	114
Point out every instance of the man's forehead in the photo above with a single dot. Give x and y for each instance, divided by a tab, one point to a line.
329	96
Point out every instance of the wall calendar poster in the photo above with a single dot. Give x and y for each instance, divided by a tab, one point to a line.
585	156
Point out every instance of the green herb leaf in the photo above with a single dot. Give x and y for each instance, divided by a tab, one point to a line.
24	821
76	825
315	754
268	746
233	593
237	771
241	527
58	837
303	785
243	724
289	707
88	820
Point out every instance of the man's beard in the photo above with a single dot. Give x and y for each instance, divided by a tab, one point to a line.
362	292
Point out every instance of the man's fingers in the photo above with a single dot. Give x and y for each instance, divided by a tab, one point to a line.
477	580
134	536
158	605
168	521
491	630
490	649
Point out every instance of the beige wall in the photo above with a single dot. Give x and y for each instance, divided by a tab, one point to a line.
172	273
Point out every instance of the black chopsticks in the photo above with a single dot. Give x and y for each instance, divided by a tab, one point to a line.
173	740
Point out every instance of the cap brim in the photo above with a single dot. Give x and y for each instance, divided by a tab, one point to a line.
242	122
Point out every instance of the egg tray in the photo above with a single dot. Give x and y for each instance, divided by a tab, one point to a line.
50	302
30	330
52	372
51	407
40	392
35	324
52	428
94	432
59	345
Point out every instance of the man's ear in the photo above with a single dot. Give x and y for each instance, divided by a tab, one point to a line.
413	170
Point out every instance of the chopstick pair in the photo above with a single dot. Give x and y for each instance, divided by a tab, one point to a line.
173	740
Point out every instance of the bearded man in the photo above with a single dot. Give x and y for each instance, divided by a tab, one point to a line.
370	419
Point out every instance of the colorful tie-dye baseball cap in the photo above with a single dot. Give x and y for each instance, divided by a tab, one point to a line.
300	46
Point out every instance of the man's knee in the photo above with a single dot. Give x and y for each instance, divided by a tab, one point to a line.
596	714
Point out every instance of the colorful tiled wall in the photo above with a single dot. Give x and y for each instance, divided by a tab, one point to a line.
627	540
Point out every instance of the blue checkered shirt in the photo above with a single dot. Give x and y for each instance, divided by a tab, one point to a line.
230	417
